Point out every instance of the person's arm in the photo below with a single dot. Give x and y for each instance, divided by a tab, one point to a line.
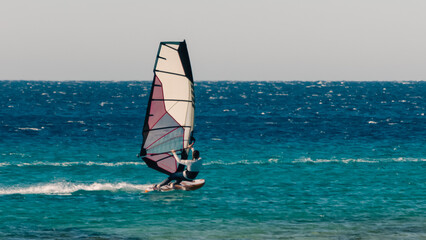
175	155
191	146
184	162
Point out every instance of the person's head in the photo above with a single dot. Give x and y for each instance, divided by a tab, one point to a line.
196	154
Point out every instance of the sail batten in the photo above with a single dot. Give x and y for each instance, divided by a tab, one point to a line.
173	73
169	121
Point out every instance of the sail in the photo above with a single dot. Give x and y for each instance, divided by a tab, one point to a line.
169	120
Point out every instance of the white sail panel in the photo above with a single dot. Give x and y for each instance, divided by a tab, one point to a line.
178	112
175	87
169	61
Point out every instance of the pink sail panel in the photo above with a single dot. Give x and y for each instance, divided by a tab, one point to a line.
157	109
164	161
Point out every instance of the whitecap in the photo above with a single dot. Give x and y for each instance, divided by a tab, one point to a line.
104	103
310	160
17	154
81	122
402	159
30	129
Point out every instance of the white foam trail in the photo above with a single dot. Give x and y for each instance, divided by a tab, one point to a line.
66	188
68	164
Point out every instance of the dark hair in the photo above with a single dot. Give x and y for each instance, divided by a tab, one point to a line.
196	154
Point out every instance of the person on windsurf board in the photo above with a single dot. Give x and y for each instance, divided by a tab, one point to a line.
169	120
193	167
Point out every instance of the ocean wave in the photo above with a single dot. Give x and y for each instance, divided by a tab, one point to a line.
68	164
215	162
68	188
310	160
243	162
401	159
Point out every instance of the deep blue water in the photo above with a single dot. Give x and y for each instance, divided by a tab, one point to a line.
284	160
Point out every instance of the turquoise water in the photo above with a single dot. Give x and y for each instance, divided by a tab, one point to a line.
284	160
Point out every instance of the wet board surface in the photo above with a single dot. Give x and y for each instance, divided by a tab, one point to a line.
184	185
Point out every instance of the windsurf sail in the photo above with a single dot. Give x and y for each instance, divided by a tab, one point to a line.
169	120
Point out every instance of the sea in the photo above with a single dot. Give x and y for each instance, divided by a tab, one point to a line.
283	160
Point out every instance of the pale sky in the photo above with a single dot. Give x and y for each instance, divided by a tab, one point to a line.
227	39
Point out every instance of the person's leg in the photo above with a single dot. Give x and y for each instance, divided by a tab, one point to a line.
174	176
164	182
179	178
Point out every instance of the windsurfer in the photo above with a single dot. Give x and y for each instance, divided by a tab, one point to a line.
193	167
